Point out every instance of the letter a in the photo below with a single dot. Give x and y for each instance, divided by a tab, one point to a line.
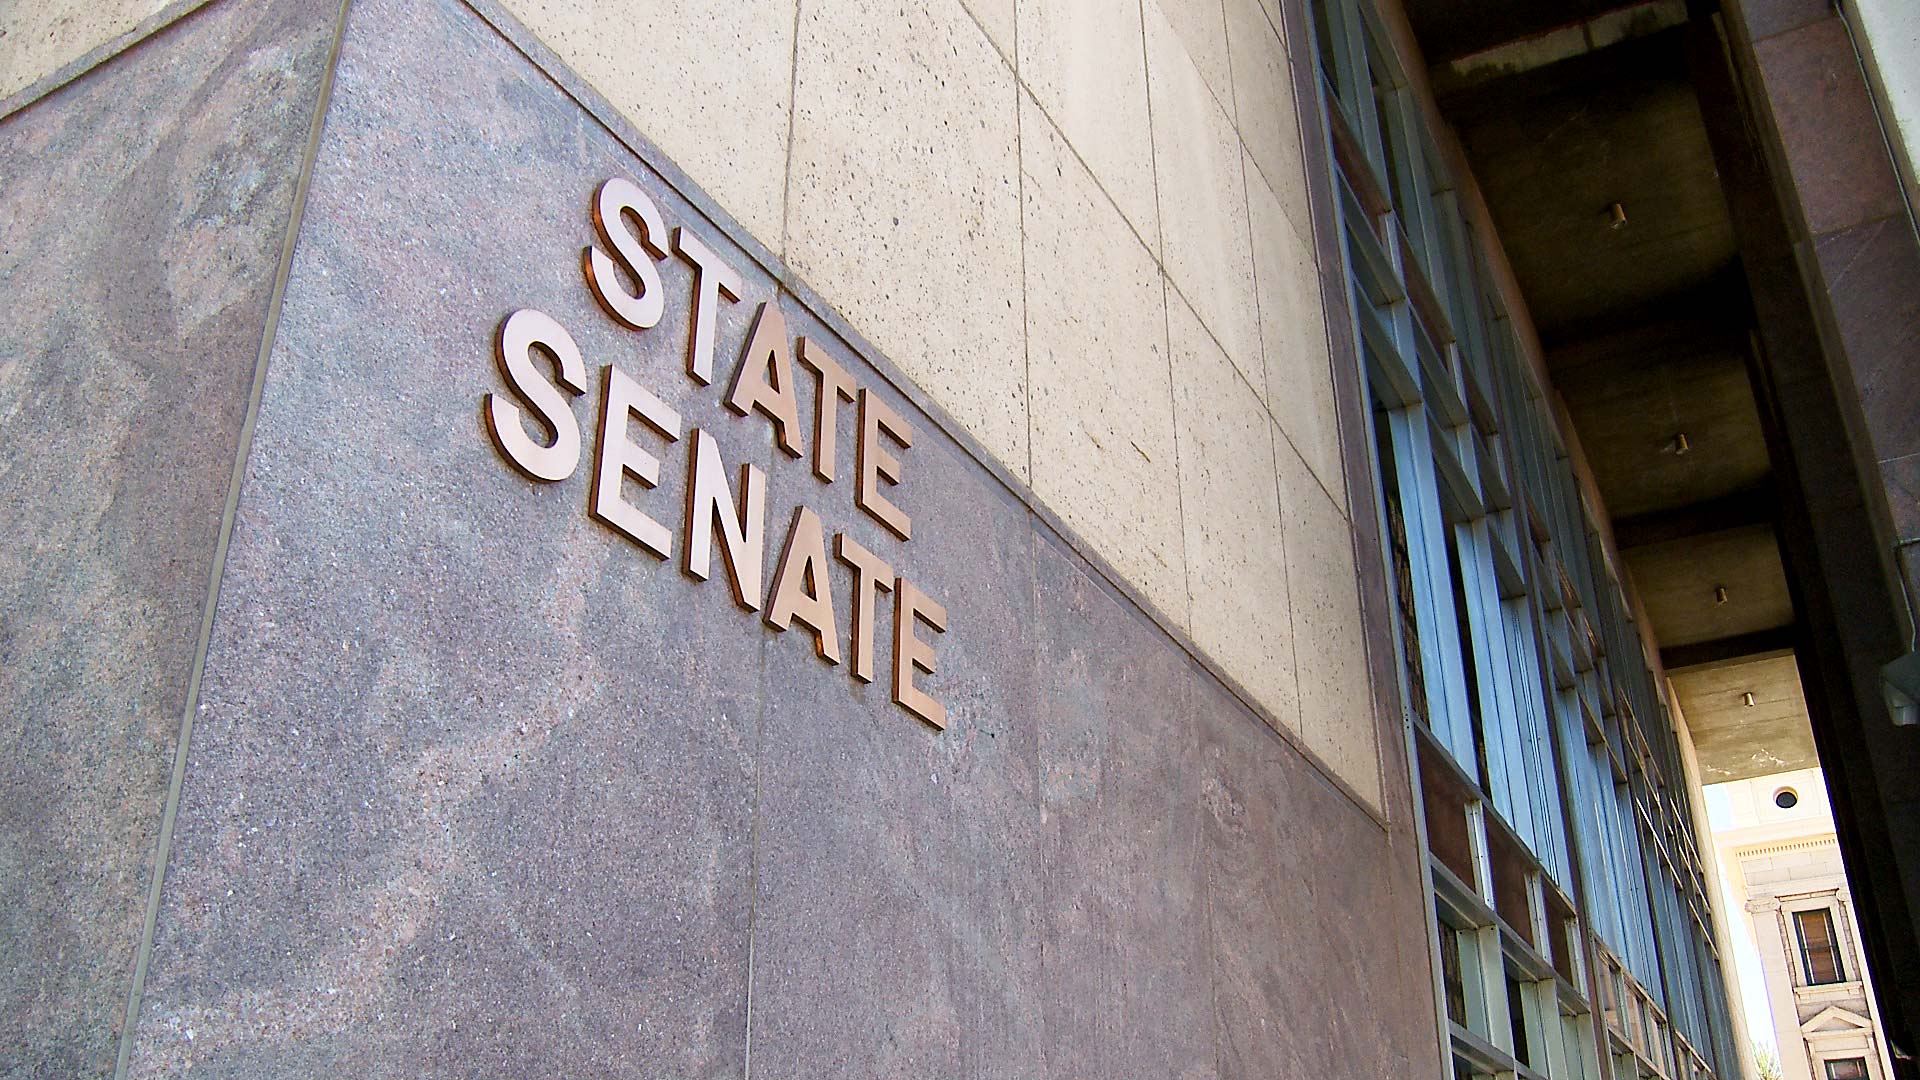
764	379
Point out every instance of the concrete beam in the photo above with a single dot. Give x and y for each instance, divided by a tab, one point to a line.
1720	651
1750	506
1560	43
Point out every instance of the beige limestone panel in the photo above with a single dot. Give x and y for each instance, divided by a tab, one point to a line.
39	37
996	18
1084	63
1893	44
1279	20
1299	374
904	202
1230	506
1200	27
1203	200
709	81
1103	437
1263	91
1336	695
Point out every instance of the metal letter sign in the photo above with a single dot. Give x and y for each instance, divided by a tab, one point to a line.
622	271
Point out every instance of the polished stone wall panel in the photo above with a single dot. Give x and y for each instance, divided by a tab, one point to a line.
142	217
1306	914
473	772
479	788
1127	961
896	863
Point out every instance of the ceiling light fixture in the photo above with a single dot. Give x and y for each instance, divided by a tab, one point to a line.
1616	217
1748	698
1719	594
1679	445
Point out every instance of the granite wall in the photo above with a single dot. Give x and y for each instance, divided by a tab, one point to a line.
478	786
143	213
1007	146
1846	240
1122	179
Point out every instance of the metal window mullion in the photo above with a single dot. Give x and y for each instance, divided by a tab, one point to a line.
1537	718
1357	74
1433	609
1486	939
1415	214
1613	888
1498	711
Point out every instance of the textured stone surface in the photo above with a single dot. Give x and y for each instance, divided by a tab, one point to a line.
1083	61
1290	933
709	81
1236	564
1298	385
1203	200
38	39
1126	960
1102	399
1902	477
141	224
1765	18
1263	89
1871	273
905	151
1200	29
898	875
472	781
1336	696
480	788
1892	42
996	19
1825	116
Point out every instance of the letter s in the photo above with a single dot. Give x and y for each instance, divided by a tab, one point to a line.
615	199
513	349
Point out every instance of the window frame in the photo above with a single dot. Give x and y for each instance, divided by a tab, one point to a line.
1804	975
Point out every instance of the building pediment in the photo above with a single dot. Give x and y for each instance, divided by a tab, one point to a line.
1834	1020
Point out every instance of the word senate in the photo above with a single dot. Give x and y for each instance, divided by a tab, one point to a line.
625	280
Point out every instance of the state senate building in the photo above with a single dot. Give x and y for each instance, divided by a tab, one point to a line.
954	538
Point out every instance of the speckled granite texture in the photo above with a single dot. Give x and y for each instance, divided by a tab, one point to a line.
478	788
142	215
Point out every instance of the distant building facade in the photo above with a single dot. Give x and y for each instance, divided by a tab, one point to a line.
1784	859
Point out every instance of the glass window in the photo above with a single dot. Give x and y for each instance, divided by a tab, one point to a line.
1819	947
1847	1069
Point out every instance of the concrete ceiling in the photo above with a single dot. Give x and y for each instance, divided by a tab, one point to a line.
1636	389
1564	108
1677	580
1554	147
1735	740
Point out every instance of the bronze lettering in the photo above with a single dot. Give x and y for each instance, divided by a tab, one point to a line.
742	537
634	255
622	270
911	654
872	576
875	461
520	333
764	379
712	278
621	398
835	385
801	587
